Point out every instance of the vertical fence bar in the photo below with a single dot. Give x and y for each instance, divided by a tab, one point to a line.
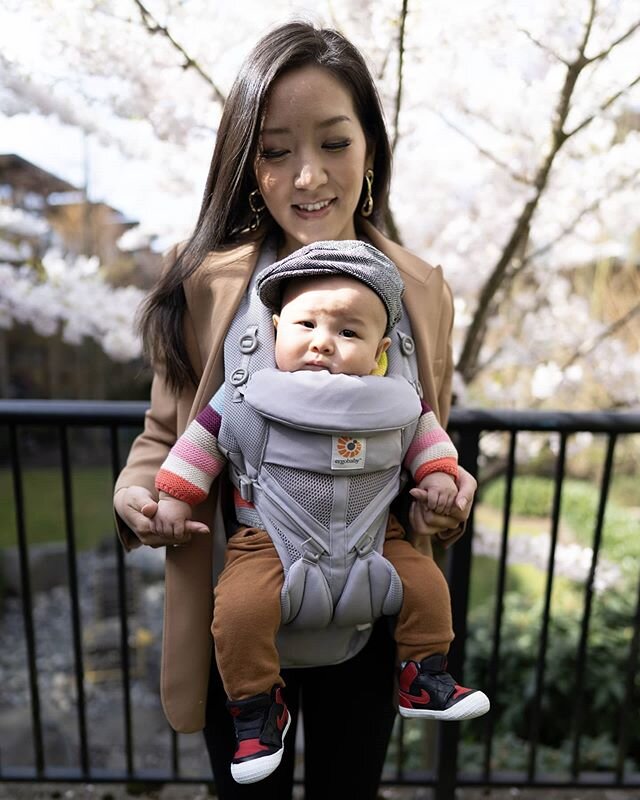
123	617
459	574
76	623
627	709
588	602
534	731
175	755
400	750
494	661
27	608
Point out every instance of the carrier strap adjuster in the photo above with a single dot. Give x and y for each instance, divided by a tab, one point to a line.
238	376
249	341
365	545
311	551
407	345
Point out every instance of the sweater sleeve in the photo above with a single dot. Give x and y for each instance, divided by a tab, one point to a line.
431	449
195	460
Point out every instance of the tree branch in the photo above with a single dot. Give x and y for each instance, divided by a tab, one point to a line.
603	107
476	333
604	53
588	347
545	48
474	339
587	31
153	26
516	176
398	104
545	248
389	220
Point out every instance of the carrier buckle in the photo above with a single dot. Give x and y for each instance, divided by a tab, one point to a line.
245	487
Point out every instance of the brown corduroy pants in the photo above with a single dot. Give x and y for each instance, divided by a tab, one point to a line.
247	609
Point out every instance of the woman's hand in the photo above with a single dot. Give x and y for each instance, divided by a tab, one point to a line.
137	508
426	523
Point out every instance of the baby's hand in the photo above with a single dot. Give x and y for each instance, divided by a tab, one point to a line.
171	517
437	491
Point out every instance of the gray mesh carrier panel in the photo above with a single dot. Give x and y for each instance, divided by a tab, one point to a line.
327	525
363	489
312	490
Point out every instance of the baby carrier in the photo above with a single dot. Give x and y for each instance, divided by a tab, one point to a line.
318	459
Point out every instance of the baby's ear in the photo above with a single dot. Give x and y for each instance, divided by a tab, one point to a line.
383	346
276	320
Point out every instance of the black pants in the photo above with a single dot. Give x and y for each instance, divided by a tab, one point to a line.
348	715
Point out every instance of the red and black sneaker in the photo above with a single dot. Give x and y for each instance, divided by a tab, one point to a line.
427	691
261	723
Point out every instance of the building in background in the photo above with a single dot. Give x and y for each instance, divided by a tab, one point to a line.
40	213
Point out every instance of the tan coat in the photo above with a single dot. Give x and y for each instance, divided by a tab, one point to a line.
213	294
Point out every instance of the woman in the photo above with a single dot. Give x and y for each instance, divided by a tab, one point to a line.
301	155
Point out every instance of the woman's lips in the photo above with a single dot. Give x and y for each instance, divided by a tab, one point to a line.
311	210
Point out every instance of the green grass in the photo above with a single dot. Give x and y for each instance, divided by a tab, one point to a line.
532	498
44	506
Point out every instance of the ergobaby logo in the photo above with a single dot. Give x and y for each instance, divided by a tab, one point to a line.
347	452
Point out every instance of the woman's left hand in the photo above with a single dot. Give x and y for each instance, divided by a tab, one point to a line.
427	523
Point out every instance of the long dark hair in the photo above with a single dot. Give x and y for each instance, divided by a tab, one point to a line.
225	213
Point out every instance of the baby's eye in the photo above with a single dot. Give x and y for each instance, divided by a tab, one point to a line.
348	333
307	323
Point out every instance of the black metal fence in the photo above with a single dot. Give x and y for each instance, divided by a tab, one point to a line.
421	754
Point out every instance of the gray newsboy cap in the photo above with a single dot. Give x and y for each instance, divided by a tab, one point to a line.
352	258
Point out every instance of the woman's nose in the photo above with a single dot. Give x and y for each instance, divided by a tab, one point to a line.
309	175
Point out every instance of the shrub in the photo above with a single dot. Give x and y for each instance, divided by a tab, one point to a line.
606	667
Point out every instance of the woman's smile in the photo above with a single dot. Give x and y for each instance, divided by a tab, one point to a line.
312	158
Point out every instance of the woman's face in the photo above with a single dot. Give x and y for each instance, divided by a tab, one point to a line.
311	158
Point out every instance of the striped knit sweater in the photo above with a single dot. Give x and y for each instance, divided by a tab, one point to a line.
195	460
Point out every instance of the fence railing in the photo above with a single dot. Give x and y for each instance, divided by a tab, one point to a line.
430	755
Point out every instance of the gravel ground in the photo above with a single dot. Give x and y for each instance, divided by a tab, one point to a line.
21	791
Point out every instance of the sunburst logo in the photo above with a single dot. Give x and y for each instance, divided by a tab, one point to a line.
347	452
348	447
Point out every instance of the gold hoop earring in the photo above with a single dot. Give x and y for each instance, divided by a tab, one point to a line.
367	206
255	198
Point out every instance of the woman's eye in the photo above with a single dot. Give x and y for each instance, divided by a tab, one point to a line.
337	145
271	154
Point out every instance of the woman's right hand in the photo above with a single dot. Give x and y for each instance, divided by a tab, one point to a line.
137	507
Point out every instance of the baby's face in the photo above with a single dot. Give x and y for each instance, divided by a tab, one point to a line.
334	323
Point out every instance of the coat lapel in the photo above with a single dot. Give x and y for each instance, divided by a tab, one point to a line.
214	296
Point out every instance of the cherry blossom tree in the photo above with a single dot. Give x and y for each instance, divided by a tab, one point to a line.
516	131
